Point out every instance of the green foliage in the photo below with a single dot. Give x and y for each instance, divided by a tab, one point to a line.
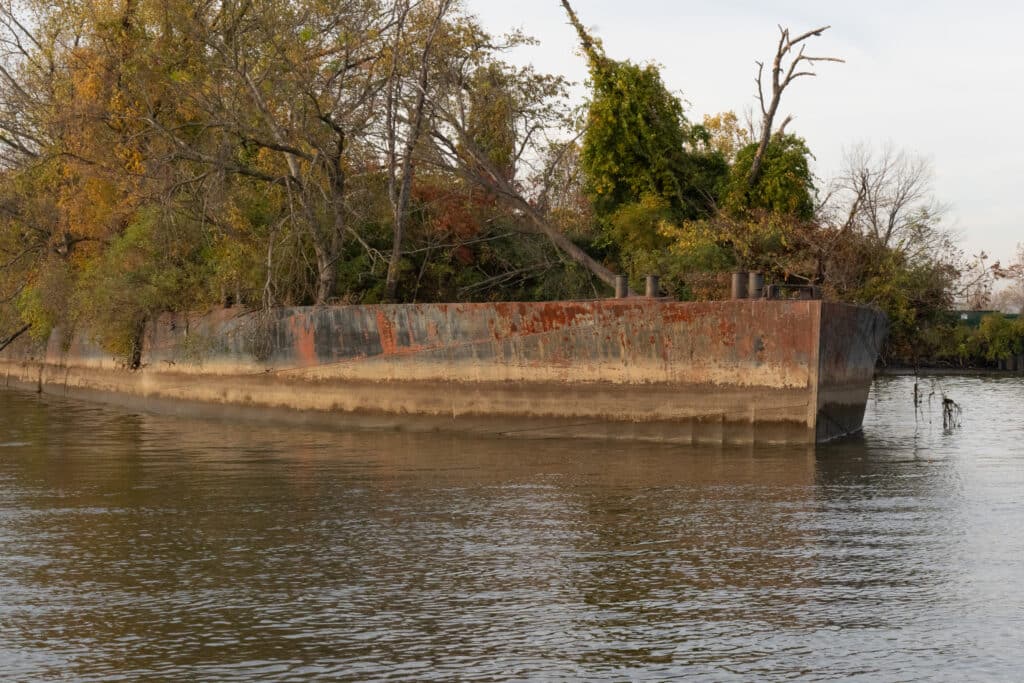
999	338
43	303
785	186
759	228
151	268
725	134
688	256
636	226
491	119
638	145
951	343
915	296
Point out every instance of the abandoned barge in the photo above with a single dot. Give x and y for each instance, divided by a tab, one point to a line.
744	371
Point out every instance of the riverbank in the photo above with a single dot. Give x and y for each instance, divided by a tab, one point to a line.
945	372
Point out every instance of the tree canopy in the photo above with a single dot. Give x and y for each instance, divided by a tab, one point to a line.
637	141
172	156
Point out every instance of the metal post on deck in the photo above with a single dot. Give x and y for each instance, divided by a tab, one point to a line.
653	290
621	287
739	284
755	284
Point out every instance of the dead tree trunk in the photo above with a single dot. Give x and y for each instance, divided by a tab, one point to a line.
782	75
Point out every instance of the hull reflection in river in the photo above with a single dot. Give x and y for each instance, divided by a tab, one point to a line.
148	546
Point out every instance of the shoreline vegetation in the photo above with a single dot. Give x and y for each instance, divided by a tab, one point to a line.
946	372
170	157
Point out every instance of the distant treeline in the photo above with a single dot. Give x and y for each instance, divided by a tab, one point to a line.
996	342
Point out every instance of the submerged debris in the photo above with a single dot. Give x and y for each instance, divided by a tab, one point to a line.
950	414
951	411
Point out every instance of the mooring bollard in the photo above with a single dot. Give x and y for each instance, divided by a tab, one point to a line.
755	284
621	287
652	287
739	284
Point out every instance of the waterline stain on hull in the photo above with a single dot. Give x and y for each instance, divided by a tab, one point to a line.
719	372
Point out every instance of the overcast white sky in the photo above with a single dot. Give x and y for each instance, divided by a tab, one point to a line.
944	80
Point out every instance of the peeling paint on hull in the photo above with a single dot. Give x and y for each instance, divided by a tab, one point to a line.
726	372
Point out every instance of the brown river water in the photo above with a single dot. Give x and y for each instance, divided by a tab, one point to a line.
154	547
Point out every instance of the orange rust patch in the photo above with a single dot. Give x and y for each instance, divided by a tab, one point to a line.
504	309
305	340
727	332
553	316
677	313
386	333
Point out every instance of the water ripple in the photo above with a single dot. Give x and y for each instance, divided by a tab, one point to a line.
139	547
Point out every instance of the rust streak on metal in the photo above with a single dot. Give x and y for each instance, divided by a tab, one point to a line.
304	341
386	334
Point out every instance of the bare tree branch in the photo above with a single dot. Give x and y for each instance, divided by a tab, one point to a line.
4	343
782	75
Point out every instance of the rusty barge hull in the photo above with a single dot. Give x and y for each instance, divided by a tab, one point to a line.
722	372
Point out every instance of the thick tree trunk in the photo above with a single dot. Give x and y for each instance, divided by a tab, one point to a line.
762	147
398	231
400	202
326	280
328	248
482	171
568	247
328	251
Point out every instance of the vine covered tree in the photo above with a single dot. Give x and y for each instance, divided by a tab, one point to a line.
637	141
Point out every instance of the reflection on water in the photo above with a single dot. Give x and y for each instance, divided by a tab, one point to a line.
142	547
